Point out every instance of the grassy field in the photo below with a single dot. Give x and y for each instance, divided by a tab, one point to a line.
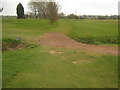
37	67
86	31
95	31
29	29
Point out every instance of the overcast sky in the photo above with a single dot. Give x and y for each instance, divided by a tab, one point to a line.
79	7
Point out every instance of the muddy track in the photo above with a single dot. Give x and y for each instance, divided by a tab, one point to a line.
60	40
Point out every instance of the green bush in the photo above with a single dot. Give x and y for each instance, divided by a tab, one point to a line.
11	44
97	41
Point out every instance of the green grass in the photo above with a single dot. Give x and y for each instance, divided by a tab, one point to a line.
86	31
37	68
50	67
29	29
13	44
92	31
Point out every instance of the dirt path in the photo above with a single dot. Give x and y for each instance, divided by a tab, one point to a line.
60	40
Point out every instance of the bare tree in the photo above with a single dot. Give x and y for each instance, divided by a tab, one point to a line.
53	9
34	7
45	9
42	9
39	8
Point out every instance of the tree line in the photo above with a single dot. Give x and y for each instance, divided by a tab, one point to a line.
50	10
41	9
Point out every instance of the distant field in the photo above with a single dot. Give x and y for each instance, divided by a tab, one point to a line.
86	31
26	28
37	67
95	31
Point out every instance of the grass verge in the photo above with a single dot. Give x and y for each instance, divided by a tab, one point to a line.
49	67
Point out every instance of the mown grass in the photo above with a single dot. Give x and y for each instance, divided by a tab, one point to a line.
85	31
95	31
29	29
50	67
38	68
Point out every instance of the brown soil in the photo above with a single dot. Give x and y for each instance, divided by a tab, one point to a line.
60	40
8	47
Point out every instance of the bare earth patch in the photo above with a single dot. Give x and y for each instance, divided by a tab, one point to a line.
12	48
60	40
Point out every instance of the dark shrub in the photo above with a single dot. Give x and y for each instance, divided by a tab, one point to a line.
20	11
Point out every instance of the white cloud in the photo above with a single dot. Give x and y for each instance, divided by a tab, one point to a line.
90	6
103	7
